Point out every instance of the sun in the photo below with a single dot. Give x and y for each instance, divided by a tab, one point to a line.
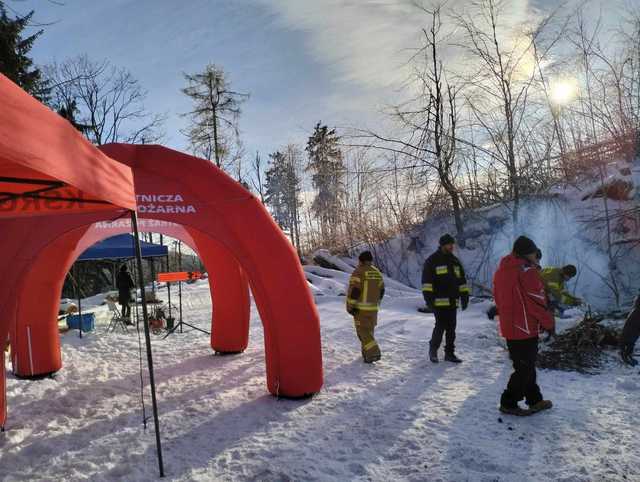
563	91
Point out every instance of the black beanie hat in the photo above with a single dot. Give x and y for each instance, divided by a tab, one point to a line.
365	256
524	246
447	239
570	270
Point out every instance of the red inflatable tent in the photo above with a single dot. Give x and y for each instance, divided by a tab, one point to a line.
47	171
55	186
50	174
237	240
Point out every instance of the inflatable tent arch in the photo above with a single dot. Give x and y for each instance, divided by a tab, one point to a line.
48	172
38	356
219	213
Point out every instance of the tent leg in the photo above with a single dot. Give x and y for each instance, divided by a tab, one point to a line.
75	272
180	282
168	283
147	338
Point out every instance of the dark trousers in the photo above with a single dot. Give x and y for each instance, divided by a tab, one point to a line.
126	309
445	324
522	383
631	330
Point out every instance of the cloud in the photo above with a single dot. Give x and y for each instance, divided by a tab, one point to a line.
364	42
367	43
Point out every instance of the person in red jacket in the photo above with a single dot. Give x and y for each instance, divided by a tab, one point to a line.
520	297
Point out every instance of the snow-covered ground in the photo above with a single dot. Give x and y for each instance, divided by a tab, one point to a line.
400	419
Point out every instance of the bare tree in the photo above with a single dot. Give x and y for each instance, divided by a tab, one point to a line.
106	101
213	122
500	85
257	177
437	118
427	138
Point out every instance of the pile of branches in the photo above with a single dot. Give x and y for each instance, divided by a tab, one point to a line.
580	348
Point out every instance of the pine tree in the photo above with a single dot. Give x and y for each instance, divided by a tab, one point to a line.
325	161
14	50
69	111
283	190
275	190
213	128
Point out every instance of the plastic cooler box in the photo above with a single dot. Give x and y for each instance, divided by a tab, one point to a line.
88	322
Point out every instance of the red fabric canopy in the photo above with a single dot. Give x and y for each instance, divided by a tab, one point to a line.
47	169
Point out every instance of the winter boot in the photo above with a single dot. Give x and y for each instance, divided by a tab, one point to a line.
492	312
451	357
626	353
433	354
517	411
540	406
372	359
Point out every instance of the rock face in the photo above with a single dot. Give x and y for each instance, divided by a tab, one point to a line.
323	262
325	259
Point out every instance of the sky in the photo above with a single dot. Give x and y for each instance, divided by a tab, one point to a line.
302	61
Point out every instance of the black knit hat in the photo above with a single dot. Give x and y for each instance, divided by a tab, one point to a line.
447	239
365	257
570	270
524	246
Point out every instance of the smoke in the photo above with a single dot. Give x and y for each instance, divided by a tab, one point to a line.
567	233
566	230
563	239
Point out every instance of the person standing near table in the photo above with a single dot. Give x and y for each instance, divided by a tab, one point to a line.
125	284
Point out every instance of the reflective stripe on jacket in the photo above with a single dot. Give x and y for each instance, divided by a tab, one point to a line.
443	280
554	285
366	288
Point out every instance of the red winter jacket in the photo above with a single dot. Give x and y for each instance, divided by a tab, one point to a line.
519	293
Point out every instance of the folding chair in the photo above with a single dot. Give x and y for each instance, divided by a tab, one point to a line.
116	318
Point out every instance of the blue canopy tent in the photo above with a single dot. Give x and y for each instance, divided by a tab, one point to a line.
118	249
122	247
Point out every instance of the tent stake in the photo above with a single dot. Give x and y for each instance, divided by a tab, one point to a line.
147	338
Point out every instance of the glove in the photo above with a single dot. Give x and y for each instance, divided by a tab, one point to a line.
428	300
464	302
353	311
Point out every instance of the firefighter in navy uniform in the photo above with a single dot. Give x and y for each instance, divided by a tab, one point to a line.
366	290
443	284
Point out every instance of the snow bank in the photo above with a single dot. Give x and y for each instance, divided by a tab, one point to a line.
325	281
